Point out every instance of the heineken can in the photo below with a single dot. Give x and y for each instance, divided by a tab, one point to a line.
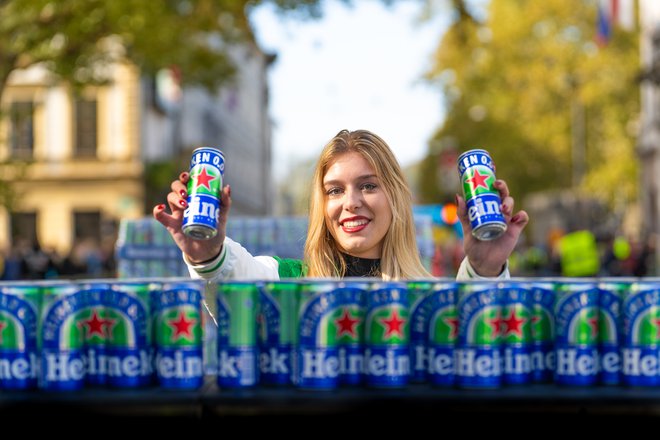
176	320
63	354
477	176
129	347
20	304
387	335
94	326
316	356
418	292
576	342
612	293
276	330
200	218
442	329
478	353
516	332
349	324
237	334
543	330
641	334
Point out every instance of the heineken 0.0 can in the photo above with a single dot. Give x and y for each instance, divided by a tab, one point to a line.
207	168
477	174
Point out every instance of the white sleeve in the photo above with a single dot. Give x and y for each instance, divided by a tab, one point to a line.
235	263
466	272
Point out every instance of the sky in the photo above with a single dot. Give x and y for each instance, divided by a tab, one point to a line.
359	67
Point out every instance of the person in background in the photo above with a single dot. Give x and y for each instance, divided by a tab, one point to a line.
360	224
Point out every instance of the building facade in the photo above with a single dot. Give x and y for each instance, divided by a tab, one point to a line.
76	161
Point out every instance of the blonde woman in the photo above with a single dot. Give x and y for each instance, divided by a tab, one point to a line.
360	224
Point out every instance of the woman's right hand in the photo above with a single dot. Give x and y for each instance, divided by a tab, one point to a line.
196	250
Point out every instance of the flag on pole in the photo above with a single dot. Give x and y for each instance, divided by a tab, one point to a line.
611	14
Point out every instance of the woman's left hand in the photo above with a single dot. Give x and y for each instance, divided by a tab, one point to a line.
488	258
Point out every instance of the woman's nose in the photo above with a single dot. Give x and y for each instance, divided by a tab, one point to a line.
353	199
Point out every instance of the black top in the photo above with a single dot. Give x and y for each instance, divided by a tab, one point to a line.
361	267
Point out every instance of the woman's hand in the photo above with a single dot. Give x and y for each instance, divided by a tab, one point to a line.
197	250
487	258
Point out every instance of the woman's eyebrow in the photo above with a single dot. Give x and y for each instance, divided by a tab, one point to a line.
337	182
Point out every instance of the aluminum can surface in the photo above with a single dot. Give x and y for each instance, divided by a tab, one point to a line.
516	331
349	325
128	333
276	330
477	176
543	330
418	292
612	292
641	334
20	303
442	330
237	334
176	320
478	352
62	344
316	354
387	335
576	342
200	218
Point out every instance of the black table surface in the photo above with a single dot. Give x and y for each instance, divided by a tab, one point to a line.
423	401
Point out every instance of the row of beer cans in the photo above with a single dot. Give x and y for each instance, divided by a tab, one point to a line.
326	333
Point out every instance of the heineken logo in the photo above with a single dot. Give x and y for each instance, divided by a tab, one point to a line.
393	325
638	362
274	361
18	367
514	325
482	206
577	361
472	362
95	327
203	178
181	327
479	180
347	324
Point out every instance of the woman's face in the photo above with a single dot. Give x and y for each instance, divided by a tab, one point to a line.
357	212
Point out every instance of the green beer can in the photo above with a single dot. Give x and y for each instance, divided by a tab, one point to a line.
237	334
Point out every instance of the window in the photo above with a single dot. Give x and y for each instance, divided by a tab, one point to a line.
21	131
85	128
24	227
87	225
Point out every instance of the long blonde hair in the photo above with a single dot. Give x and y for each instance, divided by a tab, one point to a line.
400	256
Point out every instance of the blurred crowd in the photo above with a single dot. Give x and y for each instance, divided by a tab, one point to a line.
29	261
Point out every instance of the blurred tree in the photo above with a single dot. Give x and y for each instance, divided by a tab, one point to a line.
527	82
76	39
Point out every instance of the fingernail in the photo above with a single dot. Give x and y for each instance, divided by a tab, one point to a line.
160	207
456	199
182	192
515	218
183	203
229	190
183	176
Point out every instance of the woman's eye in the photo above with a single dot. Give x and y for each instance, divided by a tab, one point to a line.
369	186
333	191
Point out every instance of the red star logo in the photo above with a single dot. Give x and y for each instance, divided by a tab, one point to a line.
181	326
393	325
478	180
513	324
496	324
346	324
3	325
93	326
204	179
452	322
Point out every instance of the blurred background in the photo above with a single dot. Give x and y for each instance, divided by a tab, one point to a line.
102	104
